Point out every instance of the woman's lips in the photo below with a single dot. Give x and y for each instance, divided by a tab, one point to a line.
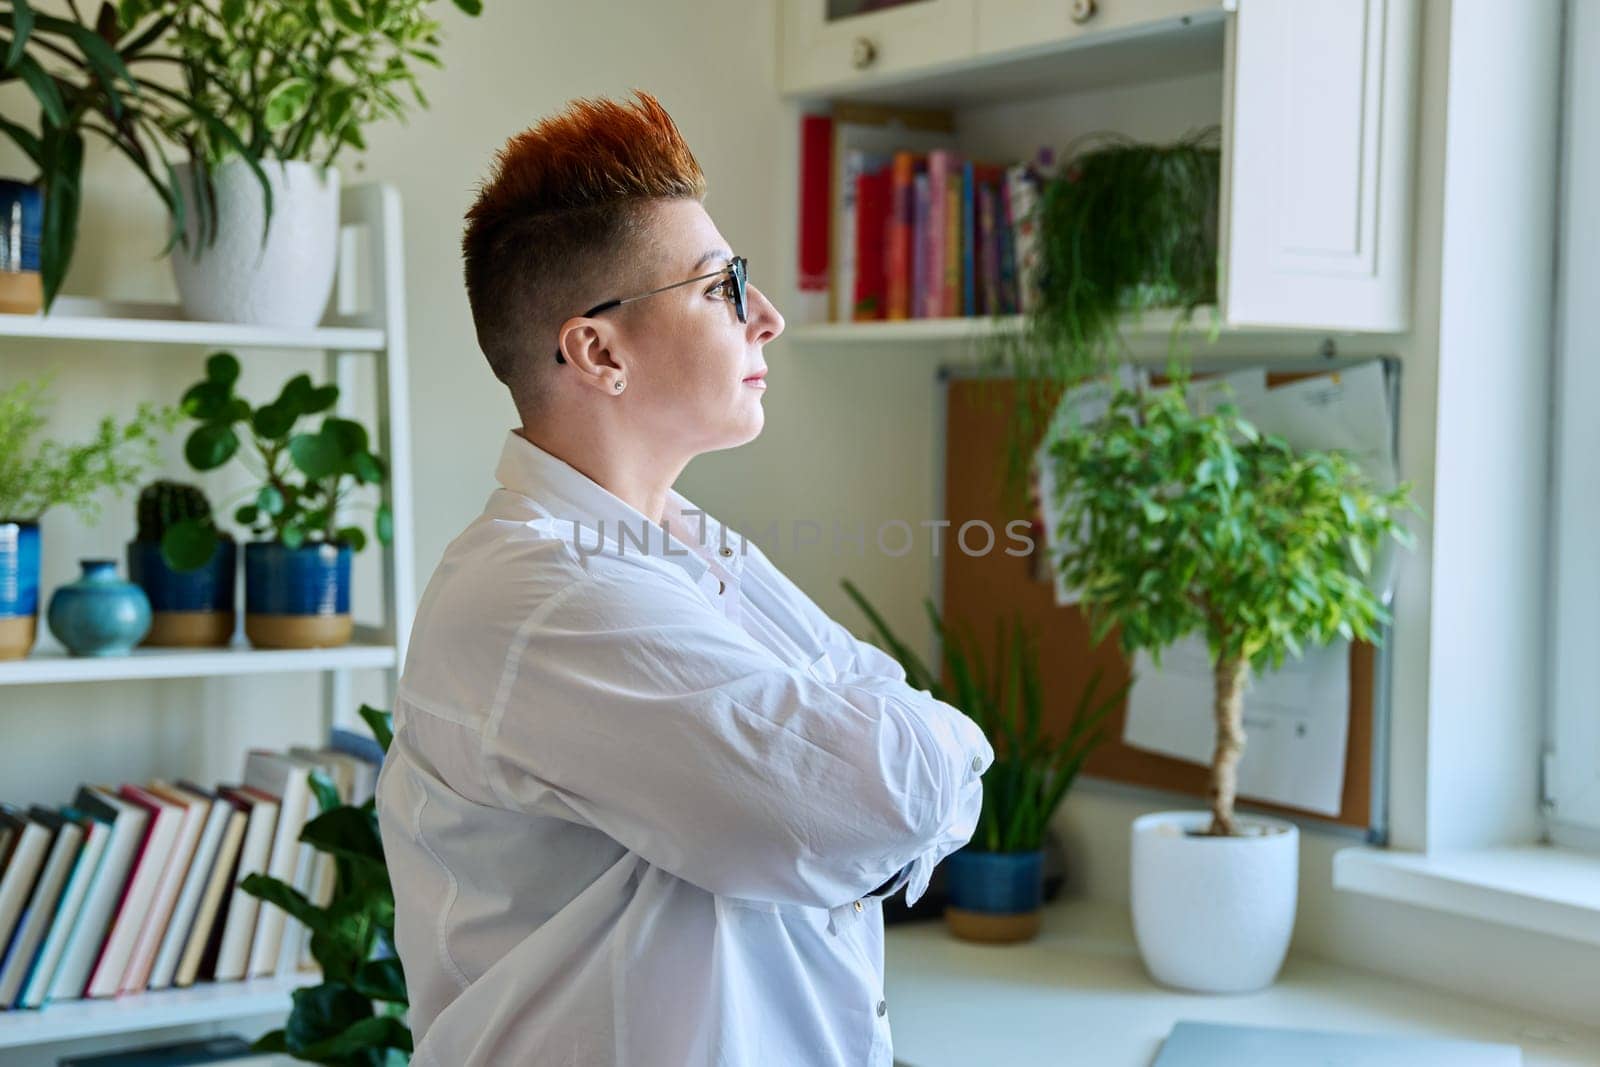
757	380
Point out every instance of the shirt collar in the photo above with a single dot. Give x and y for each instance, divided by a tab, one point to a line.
602	523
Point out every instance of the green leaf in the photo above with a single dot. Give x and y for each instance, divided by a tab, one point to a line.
367	467
286	104
381	723
381	980
352	536
470	7
61	160
383	524
349	436
273	421
222	368
272	1041
21	28
322	1013
232	13
321	399
270	500
327	793
345	831
44	89
292	536
316	455
189	545
208	401
210	446
247	515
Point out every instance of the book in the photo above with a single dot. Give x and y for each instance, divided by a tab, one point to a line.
816	167
138	899
871	295
941	163
175	871
223	873
969	219
96	833
231	1050
30	844
902	208
1007	253
858	164
950	304
41	907
988	265
214	814
1023	191
232	950
920	265
285	778
130	824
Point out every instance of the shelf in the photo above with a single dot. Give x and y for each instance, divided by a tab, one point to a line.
51	664
80	319
74	1019
971	328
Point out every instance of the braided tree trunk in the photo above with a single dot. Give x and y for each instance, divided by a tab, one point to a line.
1229	681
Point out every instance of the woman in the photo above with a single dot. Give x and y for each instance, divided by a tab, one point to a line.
644	797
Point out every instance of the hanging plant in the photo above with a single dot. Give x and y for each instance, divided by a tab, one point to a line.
1124	227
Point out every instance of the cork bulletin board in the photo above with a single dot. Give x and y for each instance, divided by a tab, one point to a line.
979	591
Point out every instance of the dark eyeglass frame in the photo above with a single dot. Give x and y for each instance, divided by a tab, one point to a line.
737	267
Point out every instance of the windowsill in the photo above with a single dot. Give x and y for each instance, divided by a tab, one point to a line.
1545	888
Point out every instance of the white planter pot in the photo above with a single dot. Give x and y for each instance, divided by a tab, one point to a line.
1213	914
284	282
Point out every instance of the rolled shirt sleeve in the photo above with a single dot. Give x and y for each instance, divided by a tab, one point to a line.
630	704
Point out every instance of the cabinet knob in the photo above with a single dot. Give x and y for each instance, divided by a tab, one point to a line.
1084	10
863	53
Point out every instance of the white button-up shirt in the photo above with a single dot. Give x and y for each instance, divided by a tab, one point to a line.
642	791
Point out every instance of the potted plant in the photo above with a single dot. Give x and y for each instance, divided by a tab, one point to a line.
39	474
85	79
298	82
297	571
1124	227
1175	523
185	565
356	1014
996	883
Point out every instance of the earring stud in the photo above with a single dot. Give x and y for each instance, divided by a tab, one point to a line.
618	386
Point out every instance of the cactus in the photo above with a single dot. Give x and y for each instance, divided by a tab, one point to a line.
164	504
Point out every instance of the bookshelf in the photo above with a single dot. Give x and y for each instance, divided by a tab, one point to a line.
1315	103
362	346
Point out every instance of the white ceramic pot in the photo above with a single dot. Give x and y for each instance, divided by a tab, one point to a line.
1213	914
284	282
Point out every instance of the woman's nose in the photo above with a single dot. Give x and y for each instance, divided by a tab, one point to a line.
764	317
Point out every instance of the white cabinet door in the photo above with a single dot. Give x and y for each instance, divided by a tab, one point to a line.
834	44
1318	130
1011	25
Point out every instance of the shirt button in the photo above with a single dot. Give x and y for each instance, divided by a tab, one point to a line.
883	1008
721	587
724	551
859	905
977	764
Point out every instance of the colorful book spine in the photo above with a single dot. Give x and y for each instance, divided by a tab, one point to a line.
901	206
969	279
1008	263
950	302
941	163
871	297
1024	196
920	247
816	168
990	269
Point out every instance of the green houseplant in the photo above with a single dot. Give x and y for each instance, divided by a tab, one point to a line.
94	79
355	1017
997	880
190	588
298	81
1172	523
1124	227
297	570
37	474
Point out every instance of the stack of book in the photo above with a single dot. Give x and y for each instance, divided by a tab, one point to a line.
136	887
909	228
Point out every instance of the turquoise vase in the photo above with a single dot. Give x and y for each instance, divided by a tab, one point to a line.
99	614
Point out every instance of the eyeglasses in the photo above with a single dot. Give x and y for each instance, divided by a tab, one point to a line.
736	268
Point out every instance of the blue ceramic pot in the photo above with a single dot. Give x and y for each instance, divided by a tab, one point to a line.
297	597
190	609
19	587
1003	883
21	226
99	614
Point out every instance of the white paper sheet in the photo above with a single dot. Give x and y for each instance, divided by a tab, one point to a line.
1296	719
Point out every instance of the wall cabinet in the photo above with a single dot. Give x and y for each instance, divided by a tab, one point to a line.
1317	109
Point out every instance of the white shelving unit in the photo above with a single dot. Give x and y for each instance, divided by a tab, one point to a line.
370	325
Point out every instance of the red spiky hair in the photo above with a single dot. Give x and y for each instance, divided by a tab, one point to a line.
560	210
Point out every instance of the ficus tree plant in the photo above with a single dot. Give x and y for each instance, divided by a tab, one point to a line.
304	476
354	1017
1175	522
1032	769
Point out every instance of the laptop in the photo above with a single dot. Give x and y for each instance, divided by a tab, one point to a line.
1193	1044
